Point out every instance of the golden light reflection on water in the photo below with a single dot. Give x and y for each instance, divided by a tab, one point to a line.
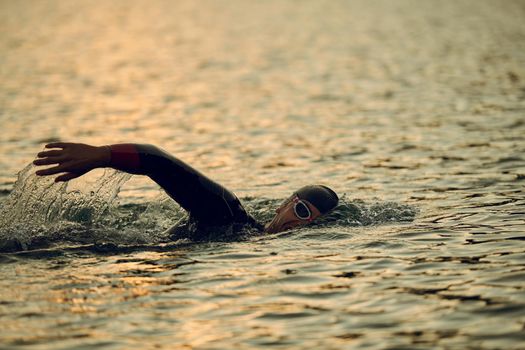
414	104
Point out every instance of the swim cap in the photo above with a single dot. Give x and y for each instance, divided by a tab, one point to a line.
322	197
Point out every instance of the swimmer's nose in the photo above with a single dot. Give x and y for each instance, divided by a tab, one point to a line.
273	226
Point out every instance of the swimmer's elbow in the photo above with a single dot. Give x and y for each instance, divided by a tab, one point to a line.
155	160
137	159
152	154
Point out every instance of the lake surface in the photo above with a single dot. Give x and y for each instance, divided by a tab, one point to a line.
414	112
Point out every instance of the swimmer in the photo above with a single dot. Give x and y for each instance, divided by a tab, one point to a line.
208	203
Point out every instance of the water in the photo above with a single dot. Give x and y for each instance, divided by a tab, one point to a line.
413	111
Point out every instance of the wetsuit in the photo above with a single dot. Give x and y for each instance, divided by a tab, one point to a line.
208	203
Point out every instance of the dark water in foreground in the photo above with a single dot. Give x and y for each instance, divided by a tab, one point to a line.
414	112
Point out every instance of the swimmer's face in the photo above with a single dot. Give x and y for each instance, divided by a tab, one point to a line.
289	214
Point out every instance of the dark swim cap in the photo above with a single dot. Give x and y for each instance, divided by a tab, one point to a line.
322	197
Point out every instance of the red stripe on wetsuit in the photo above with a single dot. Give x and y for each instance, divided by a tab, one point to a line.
125	157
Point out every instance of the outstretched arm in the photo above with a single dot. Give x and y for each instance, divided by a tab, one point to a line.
206	200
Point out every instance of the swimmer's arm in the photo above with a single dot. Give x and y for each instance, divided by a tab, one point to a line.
72	160
184	184
195	192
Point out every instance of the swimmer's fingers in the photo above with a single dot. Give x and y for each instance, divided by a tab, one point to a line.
50	171
51	157
58	145
53	153
60	168
67	177
46	161
50	160
72	159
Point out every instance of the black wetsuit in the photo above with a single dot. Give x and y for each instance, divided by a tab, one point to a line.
208	203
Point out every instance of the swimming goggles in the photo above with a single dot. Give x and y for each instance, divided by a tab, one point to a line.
301	210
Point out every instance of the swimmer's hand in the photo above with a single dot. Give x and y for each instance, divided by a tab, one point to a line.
72	159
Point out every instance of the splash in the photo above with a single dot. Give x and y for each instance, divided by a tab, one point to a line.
37	206
39	213
361	213
39	200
